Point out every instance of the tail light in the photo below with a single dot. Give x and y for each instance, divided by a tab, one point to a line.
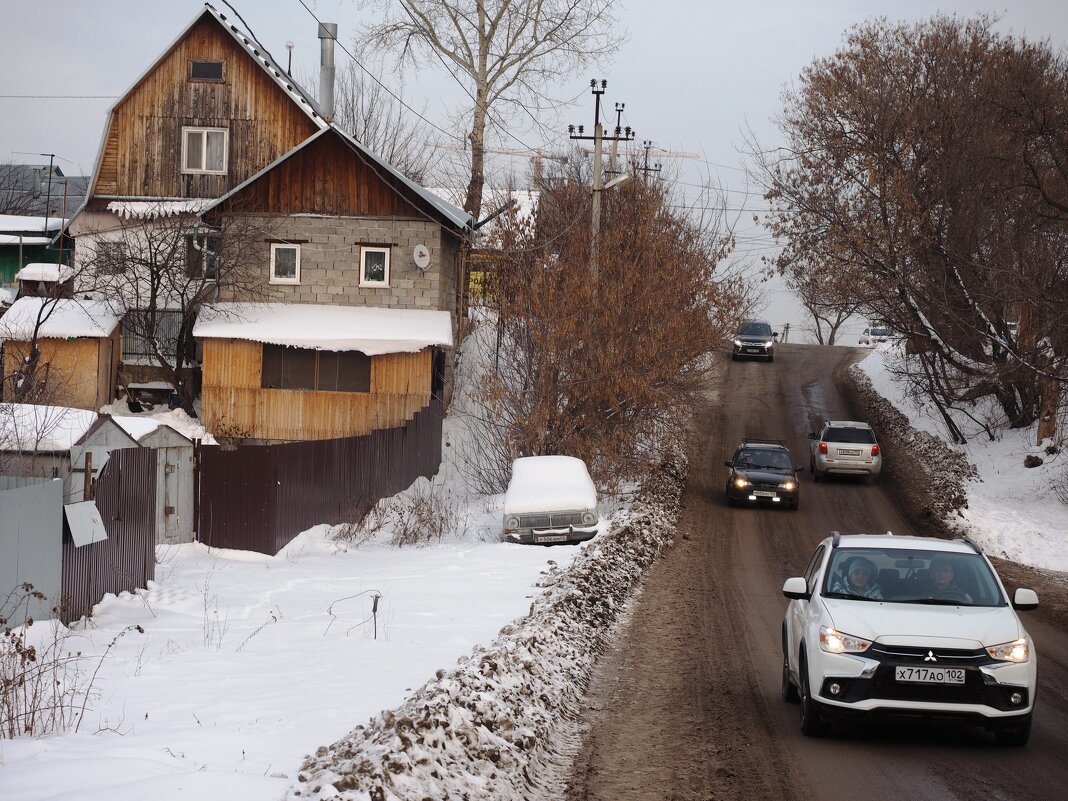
823	447
874	450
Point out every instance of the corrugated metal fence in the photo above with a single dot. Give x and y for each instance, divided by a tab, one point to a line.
258	497
125	494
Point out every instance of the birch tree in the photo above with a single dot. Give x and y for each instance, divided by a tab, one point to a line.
503	52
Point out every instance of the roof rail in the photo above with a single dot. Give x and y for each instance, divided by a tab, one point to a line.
837	538
889	533
974	545
762	441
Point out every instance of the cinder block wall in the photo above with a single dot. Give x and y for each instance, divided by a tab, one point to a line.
330	262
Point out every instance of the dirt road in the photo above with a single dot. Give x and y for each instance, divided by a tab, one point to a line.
687	705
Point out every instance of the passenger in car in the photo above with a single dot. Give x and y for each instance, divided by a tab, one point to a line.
941	581
859	580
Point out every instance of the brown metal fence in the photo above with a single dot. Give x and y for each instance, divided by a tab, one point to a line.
258	497
125	494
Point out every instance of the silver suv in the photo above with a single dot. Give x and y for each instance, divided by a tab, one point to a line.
844	447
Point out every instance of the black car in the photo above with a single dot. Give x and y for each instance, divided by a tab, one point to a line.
754	339
763	471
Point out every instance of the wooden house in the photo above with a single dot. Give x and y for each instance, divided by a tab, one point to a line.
303	372
80	348
214	119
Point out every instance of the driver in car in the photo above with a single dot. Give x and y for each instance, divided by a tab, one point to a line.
860	580
942	581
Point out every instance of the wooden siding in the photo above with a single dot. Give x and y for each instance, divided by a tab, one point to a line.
329	177
234	405
142	151
77	376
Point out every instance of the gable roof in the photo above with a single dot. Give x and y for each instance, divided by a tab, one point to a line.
68	318
451	215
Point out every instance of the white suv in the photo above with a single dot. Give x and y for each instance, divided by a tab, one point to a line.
914	628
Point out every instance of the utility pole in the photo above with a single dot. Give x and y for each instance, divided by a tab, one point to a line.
597	88
647	144
615	139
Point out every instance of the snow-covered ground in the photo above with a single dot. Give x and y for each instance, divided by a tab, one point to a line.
1012	511
248	663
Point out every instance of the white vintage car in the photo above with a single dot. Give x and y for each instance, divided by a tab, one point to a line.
550	499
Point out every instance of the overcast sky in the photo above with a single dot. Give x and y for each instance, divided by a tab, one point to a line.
694	74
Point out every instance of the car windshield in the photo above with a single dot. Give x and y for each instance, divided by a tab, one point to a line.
755	330
863	436
764	460
910	576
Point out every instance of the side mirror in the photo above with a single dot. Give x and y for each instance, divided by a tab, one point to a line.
775	335
811	434
728	463
796	588
1025	600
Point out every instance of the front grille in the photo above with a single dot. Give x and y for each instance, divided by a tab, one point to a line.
943	657
764	485
555	520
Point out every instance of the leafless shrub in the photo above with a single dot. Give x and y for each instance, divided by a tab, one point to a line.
45	684
423	516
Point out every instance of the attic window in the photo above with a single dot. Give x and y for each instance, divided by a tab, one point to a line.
206	71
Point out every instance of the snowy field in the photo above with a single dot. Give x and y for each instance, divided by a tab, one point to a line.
1012	511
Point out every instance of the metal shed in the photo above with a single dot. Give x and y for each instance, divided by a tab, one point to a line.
175	479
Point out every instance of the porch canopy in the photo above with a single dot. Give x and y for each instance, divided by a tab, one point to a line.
368	329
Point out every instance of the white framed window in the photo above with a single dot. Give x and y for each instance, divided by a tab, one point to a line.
285	263
374	266
205	150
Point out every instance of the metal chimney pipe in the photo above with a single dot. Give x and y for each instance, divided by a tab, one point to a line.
328	35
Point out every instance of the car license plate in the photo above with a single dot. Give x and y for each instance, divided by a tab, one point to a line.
848	452
551	538
927	675
753	350
763	494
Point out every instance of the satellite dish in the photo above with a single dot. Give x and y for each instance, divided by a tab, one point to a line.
421	254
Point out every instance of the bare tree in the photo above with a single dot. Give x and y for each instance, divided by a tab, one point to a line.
161	266
903	165
504	52
15	197
605	369
827	298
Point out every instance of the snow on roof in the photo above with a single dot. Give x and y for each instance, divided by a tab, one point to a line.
66	318
15	239
155	209
48	429
368	329
136	427
549	483
8	295
43	271
16	222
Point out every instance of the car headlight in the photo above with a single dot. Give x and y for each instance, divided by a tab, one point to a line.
788	485
588	518
741	483
835	642
1016	651
511	522
738	343
769	343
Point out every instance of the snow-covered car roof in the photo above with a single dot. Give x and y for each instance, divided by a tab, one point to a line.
368	329
549	483
68	318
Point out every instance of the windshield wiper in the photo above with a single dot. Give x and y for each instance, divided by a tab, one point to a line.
934	602
849	596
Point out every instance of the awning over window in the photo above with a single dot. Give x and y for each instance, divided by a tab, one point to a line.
86	524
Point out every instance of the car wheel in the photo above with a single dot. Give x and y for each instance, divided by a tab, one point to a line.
734	357
789	691
812	722
728	496
1017	735
816	476
771	357
796	504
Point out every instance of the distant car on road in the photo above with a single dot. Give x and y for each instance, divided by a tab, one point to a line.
550	499
763	471
885	627
844	447
754	339
874	335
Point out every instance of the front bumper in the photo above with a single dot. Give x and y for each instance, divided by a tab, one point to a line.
854	685
781	497
549	536
752	349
